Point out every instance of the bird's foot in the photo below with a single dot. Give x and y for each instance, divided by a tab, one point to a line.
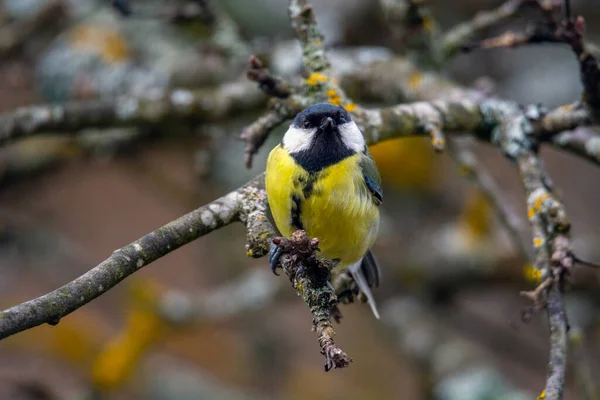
347	290
275	253
299	245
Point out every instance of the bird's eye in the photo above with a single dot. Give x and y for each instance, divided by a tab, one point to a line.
306	124
342	119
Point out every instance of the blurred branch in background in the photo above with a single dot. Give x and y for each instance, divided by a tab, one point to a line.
452	368
154	312
510	220
155	108
15	34
582	141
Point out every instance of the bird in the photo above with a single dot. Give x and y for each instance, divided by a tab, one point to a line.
322	179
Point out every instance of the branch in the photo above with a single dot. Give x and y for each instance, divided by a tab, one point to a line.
552	247
583	142
454	39
557	320
130	110
416	30
249	292
305	24
51	307
553	30
271	85
13	36
510	220
423	335
310	276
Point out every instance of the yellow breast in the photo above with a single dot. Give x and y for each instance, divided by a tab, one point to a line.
333	205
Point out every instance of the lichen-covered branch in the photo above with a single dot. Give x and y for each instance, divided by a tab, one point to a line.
304	23
311	276
271	85
551	241
128	110
583	142
557	321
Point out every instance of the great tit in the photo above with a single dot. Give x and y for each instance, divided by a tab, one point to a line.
322	178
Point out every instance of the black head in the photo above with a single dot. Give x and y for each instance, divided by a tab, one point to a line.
322	115
322	135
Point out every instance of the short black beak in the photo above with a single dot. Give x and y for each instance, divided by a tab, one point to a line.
328	124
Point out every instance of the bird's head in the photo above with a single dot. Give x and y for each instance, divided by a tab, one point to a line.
325	133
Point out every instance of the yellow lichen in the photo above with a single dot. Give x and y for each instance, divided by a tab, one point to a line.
542	395
537	241
539	201
331	93
428	24
351	107
107	42
530	213
532	274
315	79
144	326
336	101
476	216
438	142
414	80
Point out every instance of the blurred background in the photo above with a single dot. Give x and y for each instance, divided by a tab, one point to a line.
207	322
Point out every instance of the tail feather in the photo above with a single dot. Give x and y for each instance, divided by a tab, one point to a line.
371	269
366	274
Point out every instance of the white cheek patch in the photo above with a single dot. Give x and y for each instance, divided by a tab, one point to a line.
352	137
297	139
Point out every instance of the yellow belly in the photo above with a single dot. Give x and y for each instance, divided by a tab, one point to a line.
335	205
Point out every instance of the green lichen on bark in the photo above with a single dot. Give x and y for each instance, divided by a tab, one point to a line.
313	49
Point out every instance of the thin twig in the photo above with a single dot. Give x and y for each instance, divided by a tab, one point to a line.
271	85
477	173
455	39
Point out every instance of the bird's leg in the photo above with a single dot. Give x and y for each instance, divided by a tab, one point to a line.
345	287
275	253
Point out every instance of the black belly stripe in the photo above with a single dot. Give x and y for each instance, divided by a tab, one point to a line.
296	210
307	185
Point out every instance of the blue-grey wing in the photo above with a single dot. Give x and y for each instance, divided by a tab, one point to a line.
371	177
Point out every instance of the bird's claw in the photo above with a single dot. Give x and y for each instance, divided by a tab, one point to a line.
275	253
